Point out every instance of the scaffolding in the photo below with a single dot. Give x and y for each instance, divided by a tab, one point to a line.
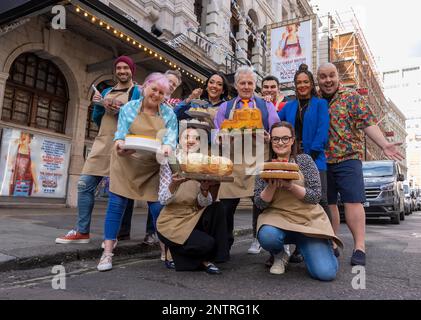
350	52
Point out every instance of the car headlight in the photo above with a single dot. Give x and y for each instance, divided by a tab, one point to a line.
387	187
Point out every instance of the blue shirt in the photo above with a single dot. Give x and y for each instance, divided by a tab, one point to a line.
130	111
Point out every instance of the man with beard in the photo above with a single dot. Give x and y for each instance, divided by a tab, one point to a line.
350	118
97	166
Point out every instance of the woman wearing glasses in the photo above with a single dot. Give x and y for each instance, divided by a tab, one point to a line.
291	213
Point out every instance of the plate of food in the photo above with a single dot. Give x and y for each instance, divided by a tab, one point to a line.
198	113
142	143
194	123
197	166
280	170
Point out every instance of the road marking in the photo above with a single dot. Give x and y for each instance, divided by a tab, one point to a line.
87	271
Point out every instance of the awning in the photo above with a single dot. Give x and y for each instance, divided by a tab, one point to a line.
109	25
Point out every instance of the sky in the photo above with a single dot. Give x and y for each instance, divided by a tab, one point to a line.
392	28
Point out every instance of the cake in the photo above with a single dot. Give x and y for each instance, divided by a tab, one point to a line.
246	118
212	165
280	170
140	142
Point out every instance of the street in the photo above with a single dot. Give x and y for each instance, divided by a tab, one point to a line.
392	272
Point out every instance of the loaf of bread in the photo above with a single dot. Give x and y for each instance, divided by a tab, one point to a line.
212	165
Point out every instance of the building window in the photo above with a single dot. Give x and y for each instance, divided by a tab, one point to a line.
36	94
198	11
91	128
235	28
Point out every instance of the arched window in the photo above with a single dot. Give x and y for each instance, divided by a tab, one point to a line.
36	94
91	128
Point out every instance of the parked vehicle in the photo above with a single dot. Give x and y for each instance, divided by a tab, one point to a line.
418	200
409	207
384	190
414	199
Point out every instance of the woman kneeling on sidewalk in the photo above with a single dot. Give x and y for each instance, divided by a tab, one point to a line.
291	213
192	225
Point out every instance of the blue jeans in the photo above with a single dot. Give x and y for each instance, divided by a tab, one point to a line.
86	199
318	253
115	210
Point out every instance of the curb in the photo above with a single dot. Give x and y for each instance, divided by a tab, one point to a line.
43	261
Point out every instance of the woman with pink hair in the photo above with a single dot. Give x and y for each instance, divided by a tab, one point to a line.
136	175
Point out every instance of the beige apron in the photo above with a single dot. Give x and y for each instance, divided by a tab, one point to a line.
178	219
243	185
98	162
137	176
288	213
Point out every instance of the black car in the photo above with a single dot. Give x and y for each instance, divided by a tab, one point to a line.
384	190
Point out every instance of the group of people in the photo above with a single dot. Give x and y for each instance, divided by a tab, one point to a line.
298	221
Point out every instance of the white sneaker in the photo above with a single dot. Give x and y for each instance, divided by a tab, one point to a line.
255	247
103	244
106	262
279	264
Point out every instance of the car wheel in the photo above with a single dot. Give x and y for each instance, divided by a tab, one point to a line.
395	219
402	215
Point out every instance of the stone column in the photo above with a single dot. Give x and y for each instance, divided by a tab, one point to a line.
3	78
78	145
242	40
257	53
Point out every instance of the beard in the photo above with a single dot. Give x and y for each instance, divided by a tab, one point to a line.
124	79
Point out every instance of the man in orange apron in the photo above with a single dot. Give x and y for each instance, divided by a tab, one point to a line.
97	165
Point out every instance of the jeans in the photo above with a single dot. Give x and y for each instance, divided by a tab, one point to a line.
150	229
86	199
115	210
318	253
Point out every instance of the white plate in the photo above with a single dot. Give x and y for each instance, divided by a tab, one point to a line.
142	148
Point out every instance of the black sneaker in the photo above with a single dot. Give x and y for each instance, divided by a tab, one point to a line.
358	258
296	257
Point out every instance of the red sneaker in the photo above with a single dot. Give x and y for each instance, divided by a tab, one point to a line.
74	237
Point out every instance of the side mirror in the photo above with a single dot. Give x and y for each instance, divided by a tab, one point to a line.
401	177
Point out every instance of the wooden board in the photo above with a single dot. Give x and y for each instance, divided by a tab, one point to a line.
206	177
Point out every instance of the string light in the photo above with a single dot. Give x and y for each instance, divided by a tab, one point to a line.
122	35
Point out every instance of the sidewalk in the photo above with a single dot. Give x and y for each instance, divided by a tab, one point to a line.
27	236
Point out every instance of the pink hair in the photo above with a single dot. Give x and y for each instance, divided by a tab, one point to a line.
158	78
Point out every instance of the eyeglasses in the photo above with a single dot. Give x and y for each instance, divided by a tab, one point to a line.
285	139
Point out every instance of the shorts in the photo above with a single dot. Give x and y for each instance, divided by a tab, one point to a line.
347	180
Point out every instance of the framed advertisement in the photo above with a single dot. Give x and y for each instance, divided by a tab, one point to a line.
292	43
33	165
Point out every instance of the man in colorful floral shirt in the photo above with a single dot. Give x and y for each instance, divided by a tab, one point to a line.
351	118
